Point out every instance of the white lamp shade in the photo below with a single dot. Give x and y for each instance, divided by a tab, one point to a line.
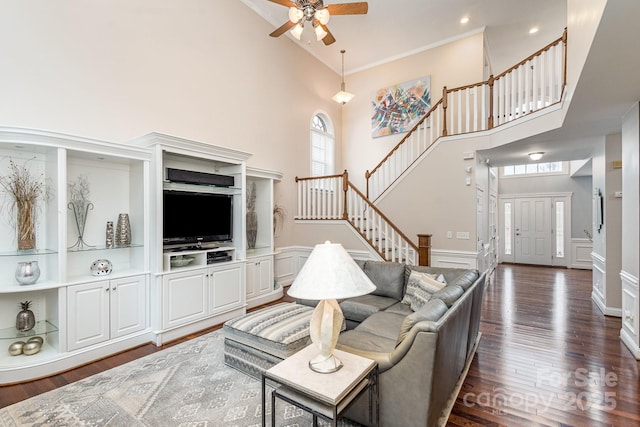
297	31
322	15
330	273
320	32
295	14
343	97
536	156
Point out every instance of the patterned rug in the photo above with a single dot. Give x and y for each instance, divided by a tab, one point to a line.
187	385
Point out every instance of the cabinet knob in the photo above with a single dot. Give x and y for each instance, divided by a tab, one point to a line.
107	289
628	315
113	289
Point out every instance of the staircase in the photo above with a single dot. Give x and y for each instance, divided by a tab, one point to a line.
531	85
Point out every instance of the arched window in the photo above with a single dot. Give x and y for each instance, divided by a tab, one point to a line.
322	146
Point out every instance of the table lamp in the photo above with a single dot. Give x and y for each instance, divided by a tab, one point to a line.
328	274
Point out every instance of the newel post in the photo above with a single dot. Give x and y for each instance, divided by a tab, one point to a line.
345	188
424	249
490	82
444	111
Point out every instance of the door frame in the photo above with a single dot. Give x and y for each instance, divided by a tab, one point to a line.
555	197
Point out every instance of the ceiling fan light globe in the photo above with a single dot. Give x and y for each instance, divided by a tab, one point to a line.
295	14
320	32
297	31
323	16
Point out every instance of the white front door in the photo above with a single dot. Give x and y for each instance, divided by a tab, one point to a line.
533	230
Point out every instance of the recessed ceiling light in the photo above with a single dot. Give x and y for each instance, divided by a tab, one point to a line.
464	20
534	30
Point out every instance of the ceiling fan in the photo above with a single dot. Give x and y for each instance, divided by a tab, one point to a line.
301	11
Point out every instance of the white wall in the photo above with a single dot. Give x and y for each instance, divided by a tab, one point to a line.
203	69
452	65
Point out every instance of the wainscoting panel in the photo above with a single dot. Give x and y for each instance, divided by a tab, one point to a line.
581	253
456	259
599	277
630	332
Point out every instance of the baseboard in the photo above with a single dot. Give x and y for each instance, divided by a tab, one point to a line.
446	412
630	343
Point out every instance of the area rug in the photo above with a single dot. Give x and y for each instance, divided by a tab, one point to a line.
187	385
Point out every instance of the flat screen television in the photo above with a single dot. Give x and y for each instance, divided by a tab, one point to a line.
196	218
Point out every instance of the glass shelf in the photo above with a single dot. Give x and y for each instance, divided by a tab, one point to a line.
42	327
28	252
103	248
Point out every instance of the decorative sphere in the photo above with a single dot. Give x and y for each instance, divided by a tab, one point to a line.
101	267
37	339
31	347
16	348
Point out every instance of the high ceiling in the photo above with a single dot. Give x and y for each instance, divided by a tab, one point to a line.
395	28
609	82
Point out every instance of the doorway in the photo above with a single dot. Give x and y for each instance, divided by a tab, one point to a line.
534	229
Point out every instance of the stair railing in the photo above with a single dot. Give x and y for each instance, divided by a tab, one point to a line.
334	197
534	83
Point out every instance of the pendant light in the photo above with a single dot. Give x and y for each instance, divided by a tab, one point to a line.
343	96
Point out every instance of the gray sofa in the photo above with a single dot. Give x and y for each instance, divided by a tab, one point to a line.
422	354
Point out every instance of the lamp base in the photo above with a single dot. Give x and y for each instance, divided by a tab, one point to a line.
325	365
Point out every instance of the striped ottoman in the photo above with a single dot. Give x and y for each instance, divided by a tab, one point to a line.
256	341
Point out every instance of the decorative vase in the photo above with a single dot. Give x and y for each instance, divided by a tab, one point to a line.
27	272
123	230
109	235
26	225
252	228
25	320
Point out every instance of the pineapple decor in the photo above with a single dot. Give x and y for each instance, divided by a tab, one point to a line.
25	320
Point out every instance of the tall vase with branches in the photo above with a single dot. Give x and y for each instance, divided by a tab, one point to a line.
252	217
24	191
80	205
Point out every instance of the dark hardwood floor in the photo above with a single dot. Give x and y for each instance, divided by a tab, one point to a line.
547	357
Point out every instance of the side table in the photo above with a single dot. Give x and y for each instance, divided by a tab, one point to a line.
323	395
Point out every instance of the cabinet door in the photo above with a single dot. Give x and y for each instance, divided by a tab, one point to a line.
265	273
226	288
128	305
252	278
184	297
88	314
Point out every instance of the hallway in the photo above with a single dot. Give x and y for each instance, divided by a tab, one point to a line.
547	356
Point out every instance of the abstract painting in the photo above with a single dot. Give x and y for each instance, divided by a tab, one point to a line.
398	108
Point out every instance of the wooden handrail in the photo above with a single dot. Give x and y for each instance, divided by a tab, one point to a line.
310	178
383	216
399	144
537	53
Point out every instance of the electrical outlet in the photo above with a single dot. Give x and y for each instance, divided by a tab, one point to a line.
449	234
463	235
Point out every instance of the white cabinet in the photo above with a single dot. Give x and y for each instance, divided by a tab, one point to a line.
192	295
226	290
184	297
105	309
259	276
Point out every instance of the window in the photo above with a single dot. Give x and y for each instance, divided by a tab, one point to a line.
322	146
507	228
549	168
559	229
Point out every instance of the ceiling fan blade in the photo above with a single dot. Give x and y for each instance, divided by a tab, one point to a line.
283	29
358	8
328	39
285	3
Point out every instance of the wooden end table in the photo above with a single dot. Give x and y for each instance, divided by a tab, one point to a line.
323	395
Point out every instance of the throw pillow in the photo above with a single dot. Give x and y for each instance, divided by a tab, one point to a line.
420	287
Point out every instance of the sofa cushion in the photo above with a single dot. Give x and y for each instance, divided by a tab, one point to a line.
432	310
449	294
420	287
467	279
365	341
359	308
383	323
388	278
399	308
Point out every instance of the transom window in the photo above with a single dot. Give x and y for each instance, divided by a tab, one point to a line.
322	146
534	169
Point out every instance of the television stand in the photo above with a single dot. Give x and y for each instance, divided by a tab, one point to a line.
174	258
